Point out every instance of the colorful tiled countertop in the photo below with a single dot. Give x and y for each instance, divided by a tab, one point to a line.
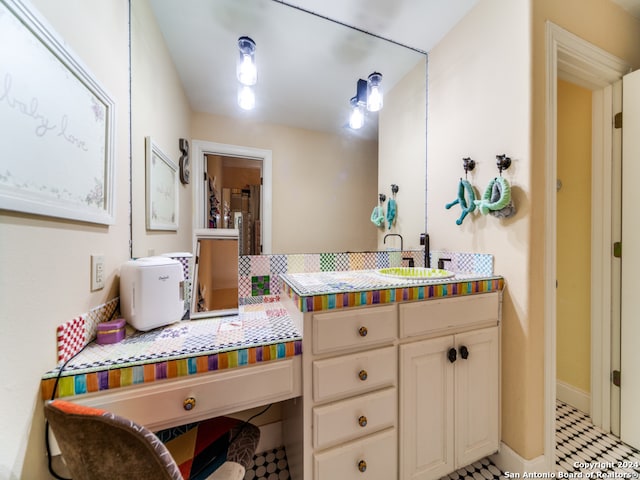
260	332
334	290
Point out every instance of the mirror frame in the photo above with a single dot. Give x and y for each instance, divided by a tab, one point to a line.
209	234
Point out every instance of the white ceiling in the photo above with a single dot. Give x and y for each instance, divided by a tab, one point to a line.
308	74
308	71
419	24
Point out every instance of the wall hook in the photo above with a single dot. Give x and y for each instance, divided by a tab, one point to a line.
382	197
468	164
503	162
394	188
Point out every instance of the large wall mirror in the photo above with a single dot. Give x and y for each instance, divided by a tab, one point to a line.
323	175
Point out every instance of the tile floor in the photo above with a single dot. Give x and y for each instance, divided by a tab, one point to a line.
269	465
580	448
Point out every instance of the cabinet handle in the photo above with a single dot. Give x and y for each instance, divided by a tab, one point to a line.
362	421
464	352
363	331
363	375
452	355
189	403
362	466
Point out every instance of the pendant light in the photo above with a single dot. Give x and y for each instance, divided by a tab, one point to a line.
374	92
246	70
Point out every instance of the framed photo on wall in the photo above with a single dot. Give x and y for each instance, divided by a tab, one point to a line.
58	123
161	189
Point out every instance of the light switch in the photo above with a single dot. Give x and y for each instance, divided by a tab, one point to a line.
97	272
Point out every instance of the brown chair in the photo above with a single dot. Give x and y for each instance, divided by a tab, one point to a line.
97	444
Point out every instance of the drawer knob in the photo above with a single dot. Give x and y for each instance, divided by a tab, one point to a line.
363	331
362	466
362	374
362	421
189	403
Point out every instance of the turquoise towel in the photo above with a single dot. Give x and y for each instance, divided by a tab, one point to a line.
391	212
377	216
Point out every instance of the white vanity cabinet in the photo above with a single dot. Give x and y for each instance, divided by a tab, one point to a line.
382	400
449	387
350	398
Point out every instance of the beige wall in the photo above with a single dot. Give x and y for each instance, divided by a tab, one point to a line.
573	301
402	156
479	107
159	109
487	85
45	262
324	186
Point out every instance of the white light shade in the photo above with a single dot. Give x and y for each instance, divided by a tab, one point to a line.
374	92
246	97
246	70
356	120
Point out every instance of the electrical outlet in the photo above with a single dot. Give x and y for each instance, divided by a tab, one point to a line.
97	272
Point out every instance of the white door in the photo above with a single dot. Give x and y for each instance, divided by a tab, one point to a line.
630	306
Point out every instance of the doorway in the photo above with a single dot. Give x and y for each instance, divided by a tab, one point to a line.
572	59
573	227
247	157
233	198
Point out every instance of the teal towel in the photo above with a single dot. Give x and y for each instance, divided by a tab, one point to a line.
391	212
377	216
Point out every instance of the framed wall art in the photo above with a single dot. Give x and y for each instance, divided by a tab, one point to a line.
57	139
161	188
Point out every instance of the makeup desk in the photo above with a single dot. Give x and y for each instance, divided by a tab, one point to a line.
190	370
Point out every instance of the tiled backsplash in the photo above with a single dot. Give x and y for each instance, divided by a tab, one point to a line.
259	275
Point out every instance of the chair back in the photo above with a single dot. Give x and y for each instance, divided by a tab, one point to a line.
97	445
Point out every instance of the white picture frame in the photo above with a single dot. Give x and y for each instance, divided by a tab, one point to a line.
161	189
58	125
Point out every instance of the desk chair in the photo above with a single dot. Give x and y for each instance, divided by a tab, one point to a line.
97	444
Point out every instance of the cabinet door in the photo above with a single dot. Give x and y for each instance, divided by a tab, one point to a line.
426	409
477	395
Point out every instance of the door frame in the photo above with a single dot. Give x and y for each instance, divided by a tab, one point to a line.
571	58
201	148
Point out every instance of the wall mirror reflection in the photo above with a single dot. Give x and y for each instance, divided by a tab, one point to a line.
215	280
323	175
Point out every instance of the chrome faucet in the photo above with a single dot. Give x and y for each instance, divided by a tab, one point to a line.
384	240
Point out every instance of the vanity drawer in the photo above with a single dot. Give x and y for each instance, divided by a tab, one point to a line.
371	458
431	316
349	419
354	328
353	374
161	404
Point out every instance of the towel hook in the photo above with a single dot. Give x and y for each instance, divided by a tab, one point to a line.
468	164
503	162
394	188
382	197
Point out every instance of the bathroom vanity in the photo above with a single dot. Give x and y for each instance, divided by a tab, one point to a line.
400	378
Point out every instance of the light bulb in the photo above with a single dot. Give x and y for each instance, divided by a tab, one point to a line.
374	92
246	70
356	120
246	97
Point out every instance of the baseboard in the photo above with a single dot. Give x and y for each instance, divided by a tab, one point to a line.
514	466
573	396
270	437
